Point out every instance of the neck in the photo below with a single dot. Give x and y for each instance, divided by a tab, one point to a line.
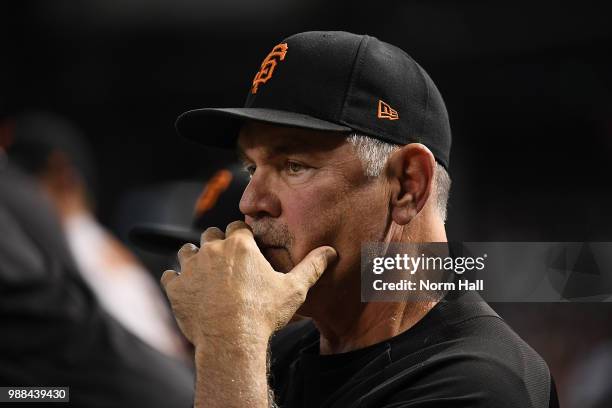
375	323
351	324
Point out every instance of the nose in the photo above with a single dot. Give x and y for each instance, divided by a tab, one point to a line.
260	198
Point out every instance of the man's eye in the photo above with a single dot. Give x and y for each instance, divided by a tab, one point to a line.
250	169
295	168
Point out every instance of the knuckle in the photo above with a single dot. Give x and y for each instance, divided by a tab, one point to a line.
170	291
167	282
209	232
235	226
300	293
298	289
239	241
317	267
241	223
235	223
187	248
232	225
299	297
214	248
166	276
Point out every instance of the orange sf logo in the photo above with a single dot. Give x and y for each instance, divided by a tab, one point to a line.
268	65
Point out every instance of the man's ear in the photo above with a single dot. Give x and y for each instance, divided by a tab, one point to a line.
411	173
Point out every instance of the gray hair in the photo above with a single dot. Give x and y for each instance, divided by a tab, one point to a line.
374	153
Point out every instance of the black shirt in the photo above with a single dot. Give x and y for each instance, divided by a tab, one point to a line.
461	354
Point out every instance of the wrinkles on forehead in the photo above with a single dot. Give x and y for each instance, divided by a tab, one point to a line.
281	140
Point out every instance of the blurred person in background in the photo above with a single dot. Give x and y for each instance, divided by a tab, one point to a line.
53	150
184	209
54	331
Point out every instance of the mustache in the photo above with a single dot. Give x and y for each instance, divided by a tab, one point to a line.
270	234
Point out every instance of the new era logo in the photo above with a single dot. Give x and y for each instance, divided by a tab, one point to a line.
385	111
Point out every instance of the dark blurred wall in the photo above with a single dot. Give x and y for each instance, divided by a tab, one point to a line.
527	84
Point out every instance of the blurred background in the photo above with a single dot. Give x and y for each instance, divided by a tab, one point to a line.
528	85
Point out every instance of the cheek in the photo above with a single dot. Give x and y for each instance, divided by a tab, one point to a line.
363	218
343	225
341	218
363	221
313	218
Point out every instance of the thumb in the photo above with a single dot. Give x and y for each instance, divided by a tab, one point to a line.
310	269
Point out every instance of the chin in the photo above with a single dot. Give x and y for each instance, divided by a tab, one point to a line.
279	258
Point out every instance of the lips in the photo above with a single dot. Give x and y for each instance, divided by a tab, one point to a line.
263	245
267	249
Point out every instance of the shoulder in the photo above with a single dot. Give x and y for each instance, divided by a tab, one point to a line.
480	362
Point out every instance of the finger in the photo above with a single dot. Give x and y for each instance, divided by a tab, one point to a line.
167	277
211	234
187	251
309	270
238	227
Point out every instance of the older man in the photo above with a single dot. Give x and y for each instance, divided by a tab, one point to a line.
347	141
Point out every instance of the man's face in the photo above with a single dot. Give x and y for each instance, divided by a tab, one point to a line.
308	189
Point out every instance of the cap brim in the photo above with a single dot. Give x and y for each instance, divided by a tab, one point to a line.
219	127
160	238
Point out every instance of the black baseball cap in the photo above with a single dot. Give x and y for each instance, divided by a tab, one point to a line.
334	81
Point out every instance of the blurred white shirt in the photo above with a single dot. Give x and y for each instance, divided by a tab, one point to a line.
123	286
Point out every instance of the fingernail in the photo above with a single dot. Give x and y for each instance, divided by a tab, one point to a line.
331	254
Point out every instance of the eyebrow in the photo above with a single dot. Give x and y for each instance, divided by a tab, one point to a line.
242	156
284	148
